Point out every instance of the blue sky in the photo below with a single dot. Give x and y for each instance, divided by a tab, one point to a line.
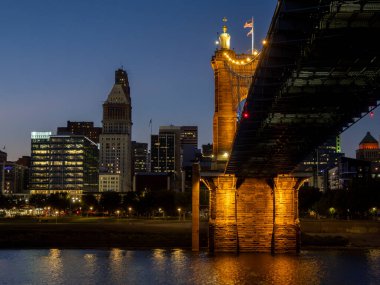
57	63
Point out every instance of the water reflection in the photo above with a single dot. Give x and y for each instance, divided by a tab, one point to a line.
90	263
54	265
177	266
374	264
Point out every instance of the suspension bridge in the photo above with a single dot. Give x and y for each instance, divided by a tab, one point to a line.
317	74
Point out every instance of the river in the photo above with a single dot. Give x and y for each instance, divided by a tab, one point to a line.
178	266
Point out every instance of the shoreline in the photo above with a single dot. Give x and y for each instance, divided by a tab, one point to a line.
139	234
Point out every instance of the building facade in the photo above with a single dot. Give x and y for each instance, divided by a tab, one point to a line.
81	128
348	169
13	178
369	150
173	151
189	144
63	163
115	140
139	157
3	156
109	182
320	161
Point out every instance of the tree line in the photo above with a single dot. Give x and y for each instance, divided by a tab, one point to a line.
144	203
361	199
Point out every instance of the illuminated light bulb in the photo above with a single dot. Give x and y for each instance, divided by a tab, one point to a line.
264	42
255	52
245	115
216	42
225	154
371	115
248	59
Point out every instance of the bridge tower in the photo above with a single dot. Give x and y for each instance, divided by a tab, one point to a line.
246	214
233	76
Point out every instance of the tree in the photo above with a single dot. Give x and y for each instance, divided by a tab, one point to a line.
110	201
58	201
5	202
89	200
308	196
38	200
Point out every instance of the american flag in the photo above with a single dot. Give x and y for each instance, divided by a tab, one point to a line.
248	24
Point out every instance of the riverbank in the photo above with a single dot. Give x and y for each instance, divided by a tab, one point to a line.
94	232
98	233
349	234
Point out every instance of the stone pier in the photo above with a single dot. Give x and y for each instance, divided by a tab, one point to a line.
254	215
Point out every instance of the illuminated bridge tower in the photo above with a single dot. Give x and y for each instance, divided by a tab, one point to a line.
233	76
246	214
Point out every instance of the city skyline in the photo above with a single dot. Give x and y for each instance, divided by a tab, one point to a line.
58	63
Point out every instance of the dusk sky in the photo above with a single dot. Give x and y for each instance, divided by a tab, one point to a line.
57	63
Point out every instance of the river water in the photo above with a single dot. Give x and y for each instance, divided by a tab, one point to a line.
177	266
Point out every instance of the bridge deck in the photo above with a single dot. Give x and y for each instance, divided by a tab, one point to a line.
318	74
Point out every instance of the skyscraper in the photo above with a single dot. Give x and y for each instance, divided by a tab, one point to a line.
115	140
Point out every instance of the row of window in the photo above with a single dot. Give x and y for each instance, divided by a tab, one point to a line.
48	163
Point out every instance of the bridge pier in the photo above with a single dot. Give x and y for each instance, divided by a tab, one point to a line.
285	220
254	215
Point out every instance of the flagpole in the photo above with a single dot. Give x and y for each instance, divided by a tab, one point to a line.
252	36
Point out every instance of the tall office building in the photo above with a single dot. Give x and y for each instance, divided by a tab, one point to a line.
63	163
189	144
81	128
115	140
163	153
173	151
139	157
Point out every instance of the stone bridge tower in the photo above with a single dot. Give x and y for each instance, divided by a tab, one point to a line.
246	214
233	76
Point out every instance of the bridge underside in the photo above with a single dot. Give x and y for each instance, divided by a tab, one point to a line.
317	76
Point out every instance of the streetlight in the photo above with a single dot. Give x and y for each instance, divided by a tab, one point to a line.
118	212
129	211
90	210
161	211
179	214
56	216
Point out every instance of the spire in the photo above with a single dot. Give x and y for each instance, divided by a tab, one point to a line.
224	38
